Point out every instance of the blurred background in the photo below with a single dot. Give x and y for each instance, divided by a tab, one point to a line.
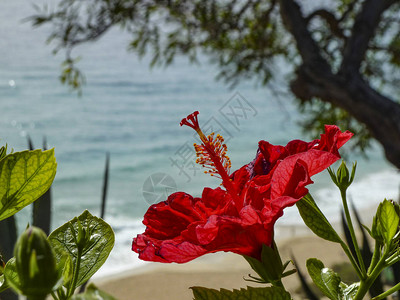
133	112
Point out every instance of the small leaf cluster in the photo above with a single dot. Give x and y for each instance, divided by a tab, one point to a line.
330	282
69	256
385	232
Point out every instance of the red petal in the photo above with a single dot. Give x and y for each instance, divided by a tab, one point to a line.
290	178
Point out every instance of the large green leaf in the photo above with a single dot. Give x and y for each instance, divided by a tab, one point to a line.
251	293
24	177
389	220
86	236
315	219
93	293
327	280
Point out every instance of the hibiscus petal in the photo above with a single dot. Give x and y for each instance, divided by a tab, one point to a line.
146	249
180	252
207	233
271	152
249	216
166	220
290	177
333	139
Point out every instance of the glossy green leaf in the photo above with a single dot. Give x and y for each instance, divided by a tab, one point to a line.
88	237
251	293
11	275
93	293
67	269
326	279
349	292
315	219
24	177
388	219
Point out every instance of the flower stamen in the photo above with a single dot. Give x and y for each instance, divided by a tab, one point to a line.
205	159
211	154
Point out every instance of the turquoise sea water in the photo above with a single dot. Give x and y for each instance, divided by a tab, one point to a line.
134	113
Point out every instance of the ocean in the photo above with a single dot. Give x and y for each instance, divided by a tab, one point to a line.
133	112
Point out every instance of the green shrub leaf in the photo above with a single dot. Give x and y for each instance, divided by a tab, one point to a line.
11	275
388	219
24	177
3	283
276	293
315	219
86	236
326	279
349	292
93	293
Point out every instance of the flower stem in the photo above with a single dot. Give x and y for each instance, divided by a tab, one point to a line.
375	257
352	233
53	294
365	284
75	275
388	292
278	283
352	260
393	259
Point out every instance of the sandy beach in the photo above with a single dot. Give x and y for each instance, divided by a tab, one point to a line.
219	270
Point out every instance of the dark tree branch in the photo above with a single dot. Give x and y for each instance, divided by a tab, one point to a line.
296	24
359	99
362	33
346	90
348	11
330	18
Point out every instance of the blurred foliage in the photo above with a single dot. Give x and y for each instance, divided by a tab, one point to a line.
246	39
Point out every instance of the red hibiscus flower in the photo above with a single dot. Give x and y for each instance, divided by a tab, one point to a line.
239	218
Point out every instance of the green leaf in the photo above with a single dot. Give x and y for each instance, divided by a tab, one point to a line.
93	293
3	152
251	293
86	236
11	275
326	279
315	219
349	292
65	268
270	268
3	283
24	177
389	220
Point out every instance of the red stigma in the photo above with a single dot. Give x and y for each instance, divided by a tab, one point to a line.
191	121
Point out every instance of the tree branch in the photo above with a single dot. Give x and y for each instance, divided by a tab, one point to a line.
330	19
296	24
363	31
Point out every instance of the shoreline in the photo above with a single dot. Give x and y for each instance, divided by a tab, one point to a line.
217	270
223	269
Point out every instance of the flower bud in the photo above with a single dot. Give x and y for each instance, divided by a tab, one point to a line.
35	263
343	179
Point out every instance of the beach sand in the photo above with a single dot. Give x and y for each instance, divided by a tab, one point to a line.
219	270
